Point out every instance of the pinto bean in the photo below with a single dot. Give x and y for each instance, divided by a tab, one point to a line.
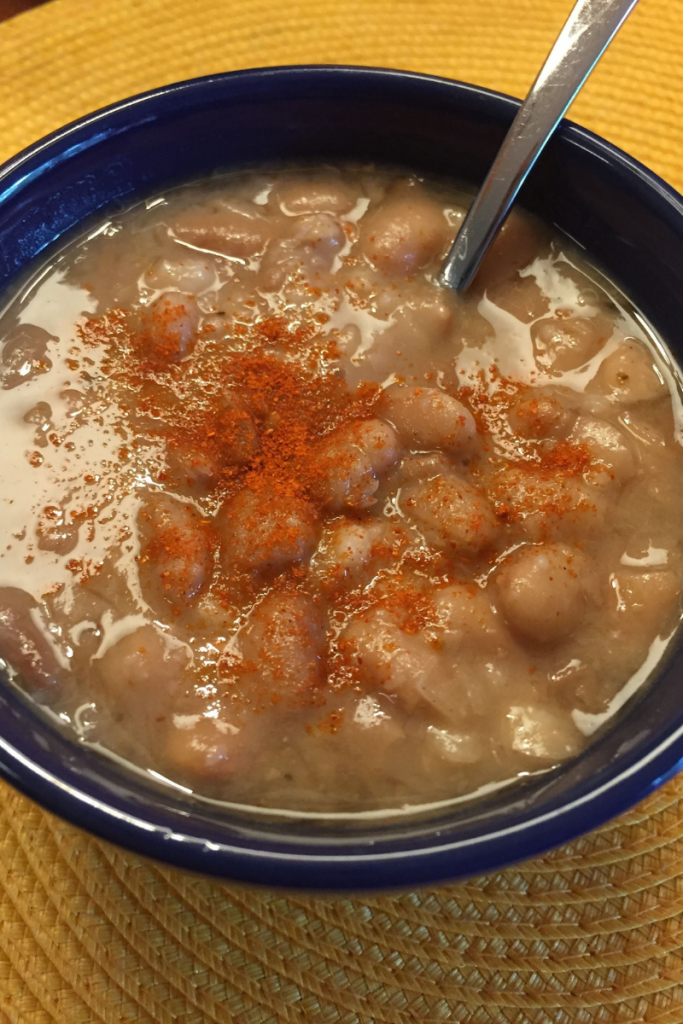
405	233
237	302
350	550
315	193
169	331
608	445
541	415
399	662
229	438
521	297
192	467
418	331
516	245
468	618
351	461
629	375
548	508
23	644
264	531
566	343
421	665
280	650
427	418
450	513
143	671
176	557
204	748
542	592
644	604
456	748
232	228
183	273
542	734
307	250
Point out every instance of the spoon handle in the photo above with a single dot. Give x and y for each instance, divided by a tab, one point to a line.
587	32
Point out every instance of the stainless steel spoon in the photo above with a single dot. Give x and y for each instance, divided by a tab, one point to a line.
589	29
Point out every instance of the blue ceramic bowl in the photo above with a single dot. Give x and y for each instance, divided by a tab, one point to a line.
629	220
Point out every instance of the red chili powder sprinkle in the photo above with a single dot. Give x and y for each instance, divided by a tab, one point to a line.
565	459
243	416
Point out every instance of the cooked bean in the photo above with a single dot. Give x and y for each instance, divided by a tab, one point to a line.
207	748
190	274
400	662
280	650
519	242
236	429
234	229
237	302
192	467
170	329
230	439
145	671
542	734
566	343
350	549
177	552
467	618
456	748
351	461
645	603
405	233
319	193
307	251
23	644
393	651
320	234
451	514
427	418
265	531
521	297
551	507
608	445
542	415
417	331
542	592
215	613
629	375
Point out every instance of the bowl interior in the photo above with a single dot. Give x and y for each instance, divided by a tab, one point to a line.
626	219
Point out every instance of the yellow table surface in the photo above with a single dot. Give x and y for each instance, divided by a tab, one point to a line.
591	932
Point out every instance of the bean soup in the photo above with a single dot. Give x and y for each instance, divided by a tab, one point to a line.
287	523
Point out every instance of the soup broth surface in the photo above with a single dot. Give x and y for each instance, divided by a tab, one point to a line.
287	523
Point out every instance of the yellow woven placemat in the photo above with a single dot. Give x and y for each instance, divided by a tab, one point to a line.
592	932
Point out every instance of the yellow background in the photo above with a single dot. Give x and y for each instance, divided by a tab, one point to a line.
592	932
60	61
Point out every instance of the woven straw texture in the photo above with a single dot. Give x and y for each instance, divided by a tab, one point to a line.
591	932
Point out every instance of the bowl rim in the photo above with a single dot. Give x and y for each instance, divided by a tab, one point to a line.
369	863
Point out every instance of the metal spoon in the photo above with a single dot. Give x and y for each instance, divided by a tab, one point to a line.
588	31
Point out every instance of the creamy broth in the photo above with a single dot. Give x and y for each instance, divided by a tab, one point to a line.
289	524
